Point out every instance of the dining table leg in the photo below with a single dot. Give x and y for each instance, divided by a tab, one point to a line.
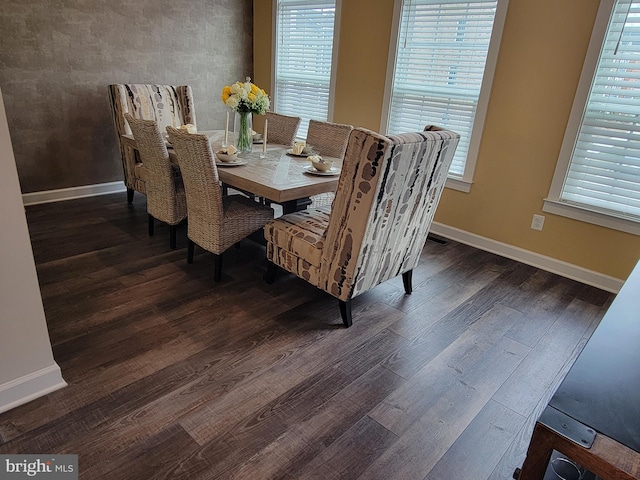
295	205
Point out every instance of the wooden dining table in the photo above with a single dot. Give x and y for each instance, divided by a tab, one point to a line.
279	177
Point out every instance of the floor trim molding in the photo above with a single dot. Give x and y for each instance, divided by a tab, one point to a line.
31	386
72	193
588	277
568	270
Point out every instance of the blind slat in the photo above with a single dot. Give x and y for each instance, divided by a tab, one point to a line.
604	170
440	63
303	59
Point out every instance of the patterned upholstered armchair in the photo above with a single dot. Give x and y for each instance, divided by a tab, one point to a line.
166	104
387	195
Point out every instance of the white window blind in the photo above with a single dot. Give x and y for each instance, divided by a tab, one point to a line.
604	170
303	59
440	63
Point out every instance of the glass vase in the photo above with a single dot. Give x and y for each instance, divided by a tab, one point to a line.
243	128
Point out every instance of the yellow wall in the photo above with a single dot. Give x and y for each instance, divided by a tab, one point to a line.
539	64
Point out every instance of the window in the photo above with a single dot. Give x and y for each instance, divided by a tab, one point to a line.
442	71
304	53
597	177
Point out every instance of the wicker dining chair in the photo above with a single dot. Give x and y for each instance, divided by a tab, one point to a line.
216	222
282	128
166	200
329	139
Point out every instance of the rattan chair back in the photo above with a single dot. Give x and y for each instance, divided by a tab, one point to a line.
216	222
165	201
282	129
201	184
329	139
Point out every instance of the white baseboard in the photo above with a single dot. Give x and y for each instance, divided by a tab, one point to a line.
72	193
31	386
588	277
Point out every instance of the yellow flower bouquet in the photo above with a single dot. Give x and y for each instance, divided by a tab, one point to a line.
246	97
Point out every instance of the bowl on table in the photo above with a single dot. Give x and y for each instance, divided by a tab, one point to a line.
319	163
228	154
307	149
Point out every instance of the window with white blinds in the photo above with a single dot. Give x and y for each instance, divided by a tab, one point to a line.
441	58
597	177
304	47
604	171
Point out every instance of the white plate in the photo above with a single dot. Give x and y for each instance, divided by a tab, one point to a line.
231	164
290	152
332	171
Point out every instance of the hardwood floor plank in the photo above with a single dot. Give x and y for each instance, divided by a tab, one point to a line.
440	295
213	419
427	440
155	454
172	375
437	337
406	405
93	384
351	454
541	299
547	358
515	453
477	450
331	377
249	433
320	428
429	281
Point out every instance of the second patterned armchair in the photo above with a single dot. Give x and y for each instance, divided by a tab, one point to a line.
167	105
387	194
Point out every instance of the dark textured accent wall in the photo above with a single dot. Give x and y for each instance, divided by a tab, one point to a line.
58	56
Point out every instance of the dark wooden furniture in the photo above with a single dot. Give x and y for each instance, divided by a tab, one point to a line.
594	416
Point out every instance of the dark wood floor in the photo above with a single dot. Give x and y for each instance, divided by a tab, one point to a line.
173	376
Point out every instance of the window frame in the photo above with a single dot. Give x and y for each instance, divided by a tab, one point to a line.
464	182
552	203
334	61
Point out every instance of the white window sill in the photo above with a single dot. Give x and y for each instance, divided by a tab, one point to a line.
590	216
458	184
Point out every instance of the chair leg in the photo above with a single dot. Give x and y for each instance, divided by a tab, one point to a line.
217	267
151	225
172	236
270	274
345	312
190	250
130	195
406	280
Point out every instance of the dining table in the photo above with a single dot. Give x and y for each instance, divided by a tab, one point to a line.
274	173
